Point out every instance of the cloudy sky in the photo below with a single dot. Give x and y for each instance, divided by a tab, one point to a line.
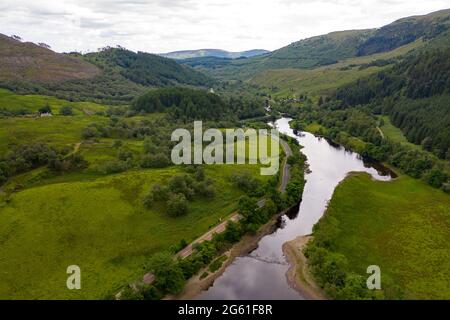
167	25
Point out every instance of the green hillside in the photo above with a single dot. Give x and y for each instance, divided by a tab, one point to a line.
331	48
400	226
112	75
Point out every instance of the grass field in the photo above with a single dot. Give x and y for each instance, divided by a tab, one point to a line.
395	134
402	226
99	224
32	103
323	80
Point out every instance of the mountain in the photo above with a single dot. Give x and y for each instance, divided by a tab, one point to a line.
187	54
330	48
112	75
26	61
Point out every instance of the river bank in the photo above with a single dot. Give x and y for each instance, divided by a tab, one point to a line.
298	275
197	285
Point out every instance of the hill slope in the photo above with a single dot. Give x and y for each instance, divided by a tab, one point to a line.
112	75
333	47
187	54
26	61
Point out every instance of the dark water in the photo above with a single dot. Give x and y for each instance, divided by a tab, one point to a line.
261	274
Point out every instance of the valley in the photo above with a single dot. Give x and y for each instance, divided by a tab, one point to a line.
88	177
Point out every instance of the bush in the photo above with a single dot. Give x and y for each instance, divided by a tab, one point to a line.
45	109
66	111
124	154
158	160
148	200
182	184
90	132
245	182
177	205
159	192
114	167
205	189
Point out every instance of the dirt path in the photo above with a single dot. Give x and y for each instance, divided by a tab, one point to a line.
298	274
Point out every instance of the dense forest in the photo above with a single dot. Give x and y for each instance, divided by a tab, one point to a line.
187	104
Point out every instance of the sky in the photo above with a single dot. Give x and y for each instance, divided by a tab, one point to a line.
159	26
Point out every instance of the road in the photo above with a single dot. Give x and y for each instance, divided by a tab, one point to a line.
285	174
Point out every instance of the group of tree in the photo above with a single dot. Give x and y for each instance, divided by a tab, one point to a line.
31	156
186	104
179	190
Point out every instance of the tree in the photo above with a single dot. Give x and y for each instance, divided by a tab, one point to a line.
247	206
66	111
233	232
168	274
177	205
45	109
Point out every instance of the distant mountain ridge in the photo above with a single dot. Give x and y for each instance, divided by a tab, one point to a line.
330	48
218	53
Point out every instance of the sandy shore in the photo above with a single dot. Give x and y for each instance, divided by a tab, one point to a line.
298	274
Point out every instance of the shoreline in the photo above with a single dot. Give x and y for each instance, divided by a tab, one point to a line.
298	275
195	286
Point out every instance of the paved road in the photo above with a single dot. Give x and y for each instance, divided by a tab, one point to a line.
285	174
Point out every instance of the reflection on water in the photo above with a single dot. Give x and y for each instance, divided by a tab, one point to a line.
261	274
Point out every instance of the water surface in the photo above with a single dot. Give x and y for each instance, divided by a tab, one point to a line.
261	274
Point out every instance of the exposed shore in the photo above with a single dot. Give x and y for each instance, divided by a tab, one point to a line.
298	275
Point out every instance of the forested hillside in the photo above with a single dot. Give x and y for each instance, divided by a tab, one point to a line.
112	75
415	93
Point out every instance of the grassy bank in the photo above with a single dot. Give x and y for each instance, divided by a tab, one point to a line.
401	226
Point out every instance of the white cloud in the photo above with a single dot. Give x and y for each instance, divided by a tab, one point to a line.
168	25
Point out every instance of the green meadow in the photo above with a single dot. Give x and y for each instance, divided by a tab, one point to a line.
99	224
32	103
402	226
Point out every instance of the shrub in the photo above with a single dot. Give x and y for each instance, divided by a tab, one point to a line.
114	167
45	109
148	199
177	205
124	154
158	160
159	192
66	111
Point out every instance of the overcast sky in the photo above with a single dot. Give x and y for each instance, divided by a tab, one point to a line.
167	25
